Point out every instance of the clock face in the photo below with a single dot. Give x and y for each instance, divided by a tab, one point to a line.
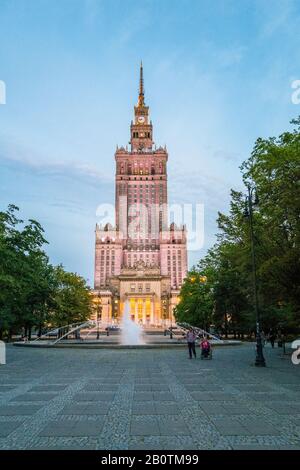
141	119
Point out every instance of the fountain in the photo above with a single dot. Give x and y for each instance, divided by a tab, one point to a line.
131	332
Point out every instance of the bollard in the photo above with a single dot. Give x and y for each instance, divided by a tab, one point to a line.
2	352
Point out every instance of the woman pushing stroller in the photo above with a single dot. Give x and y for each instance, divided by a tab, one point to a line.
205	346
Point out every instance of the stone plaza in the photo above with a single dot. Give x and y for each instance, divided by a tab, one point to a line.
148	399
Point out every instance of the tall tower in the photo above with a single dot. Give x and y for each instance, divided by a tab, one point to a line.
141	128
141	259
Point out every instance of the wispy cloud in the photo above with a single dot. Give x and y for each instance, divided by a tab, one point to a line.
198	188
27	160
276	17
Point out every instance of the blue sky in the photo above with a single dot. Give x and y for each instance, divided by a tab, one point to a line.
217	76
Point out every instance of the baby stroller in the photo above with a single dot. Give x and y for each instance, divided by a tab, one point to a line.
206	349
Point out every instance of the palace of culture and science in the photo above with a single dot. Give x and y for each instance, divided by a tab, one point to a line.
142	259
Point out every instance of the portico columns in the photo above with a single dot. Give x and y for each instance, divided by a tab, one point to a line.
144	312
152	310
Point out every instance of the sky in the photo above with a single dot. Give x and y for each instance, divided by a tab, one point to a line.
218	75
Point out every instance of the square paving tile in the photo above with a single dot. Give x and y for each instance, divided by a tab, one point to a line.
141	408
157	380
166	408
253	388
191	381
144	428
212	387
284	408
212	409
7	427
94	396
163	396
113	380
143	387
229	427
58	380
202	396
142	396
85	409
19	410
101	387
192	387
266	396
142	380
35	397
171	427
237	410
260	428
223	396
6	388
48	388
160	387
72	428
294	387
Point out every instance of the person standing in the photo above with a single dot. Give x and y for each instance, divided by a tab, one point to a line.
272	337
263	338
191	338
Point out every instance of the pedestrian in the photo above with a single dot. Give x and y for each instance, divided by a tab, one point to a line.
279	338
205	347
191	337
263	338
272	337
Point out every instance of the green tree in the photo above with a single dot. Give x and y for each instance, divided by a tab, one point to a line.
33	293
274	170
22	258
196	300
73	302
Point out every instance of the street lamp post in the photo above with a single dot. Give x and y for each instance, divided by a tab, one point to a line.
99	311
250	202
170	311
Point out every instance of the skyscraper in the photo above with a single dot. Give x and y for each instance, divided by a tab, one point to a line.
141	259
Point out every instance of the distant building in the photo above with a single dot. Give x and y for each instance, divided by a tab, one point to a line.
141	259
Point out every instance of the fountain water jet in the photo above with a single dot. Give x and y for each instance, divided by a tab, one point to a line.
131	332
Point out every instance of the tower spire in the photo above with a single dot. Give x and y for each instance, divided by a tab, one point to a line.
141	88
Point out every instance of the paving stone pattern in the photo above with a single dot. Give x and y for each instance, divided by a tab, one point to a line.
148	399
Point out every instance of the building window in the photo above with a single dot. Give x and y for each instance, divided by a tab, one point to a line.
132	287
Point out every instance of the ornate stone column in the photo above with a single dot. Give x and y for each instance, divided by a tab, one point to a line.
144	311
136	310
152	310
